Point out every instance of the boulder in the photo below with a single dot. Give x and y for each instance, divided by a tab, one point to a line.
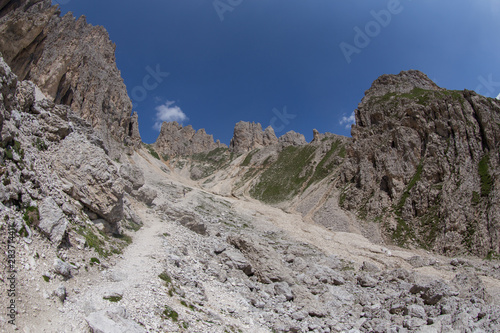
133	177
113	320
62	268
282	288
146	194
53	222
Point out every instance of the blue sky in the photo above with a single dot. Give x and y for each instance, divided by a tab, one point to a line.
295	64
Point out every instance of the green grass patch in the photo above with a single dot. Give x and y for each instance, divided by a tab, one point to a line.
171	313
326	165
94	261
286	176
94	241
40	145
13	147
484	174
430	225
45	278
165	277
152	152
492	255
403	232
413	181
113	299
248	158
212	161
124	237
476	198
421	96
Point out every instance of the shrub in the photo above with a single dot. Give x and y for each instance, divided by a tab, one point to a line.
41	145
31	216
165	277
171	313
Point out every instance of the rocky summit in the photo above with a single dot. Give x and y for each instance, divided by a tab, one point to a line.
395	229
177	140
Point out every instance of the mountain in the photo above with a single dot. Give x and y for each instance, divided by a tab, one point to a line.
392	229
421	168
424	162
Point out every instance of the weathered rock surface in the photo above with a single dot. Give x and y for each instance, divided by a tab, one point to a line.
132	176
177	140
113	320
54	160
428	155
292	138
72	62
248	136
92	177
206	263
53	221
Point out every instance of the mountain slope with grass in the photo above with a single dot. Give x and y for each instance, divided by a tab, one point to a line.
421	169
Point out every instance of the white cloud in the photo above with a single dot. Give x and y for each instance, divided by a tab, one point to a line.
348	121
168	112
498	97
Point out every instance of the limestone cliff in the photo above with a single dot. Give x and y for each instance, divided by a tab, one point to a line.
177	140
71	61
248	136
424	162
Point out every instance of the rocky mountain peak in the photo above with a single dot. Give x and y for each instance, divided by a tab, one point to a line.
174	139
427	154
404	82
248	136
292	138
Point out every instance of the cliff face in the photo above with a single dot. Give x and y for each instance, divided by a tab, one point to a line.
424	163
248	136
71	61
177	140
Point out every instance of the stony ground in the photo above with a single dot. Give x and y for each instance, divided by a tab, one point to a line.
207	263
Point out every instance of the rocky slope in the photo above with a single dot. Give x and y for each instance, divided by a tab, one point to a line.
72	62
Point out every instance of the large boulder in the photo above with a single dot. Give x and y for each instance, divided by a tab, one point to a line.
133	177
92	176
53	222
